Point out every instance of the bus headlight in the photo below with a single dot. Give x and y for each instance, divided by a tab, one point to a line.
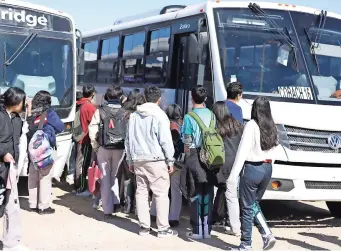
283	136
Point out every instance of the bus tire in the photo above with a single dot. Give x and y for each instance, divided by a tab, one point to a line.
334	208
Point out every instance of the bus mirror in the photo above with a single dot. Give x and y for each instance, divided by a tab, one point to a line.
193	49
80	62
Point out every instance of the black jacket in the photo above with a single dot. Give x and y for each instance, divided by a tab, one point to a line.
10	132
231	147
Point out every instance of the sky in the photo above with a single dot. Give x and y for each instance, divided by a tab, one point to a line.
92	14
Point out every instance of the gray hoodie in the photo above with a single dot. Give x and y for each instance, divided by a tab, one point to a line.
148	135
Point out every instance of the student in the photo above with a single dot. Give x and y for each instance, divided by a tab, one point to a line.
202	196
254	158
150	152
10	131
84	149
231	131
39	185
72	159
107	132
234	94
174	114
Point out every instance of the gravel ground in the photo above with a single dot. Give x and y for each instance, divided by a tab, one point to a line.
76	225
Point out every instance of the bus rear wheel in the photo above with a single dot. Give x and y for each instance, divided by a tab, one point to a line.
334	208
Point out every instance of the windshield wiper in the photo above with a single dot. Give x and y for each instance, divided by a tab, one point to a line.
322	23
20	49
312	51
261	14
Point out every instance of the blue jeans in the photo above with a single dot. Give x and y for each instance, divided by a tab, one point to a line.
254	180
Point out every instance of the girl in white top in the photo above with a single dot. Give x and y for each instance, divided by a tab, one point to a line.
253	166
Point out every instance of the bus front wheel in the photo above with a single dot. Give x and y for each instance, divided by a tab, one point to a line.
334	208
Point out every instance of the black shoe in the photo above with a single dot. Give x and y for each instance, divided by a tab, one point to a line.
33	210
117	208
144	231
109	216
46	211
174	223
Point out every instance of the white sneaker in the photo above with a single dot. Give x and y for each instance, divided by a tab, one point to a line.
16	248
86	193
70	179
192	236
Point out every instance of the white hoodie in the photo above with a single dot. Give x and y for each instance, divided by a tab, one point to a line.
148	135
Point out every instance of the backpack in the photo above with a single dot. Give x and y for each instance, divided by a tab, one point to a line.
77	133
39	148
112	129
212	152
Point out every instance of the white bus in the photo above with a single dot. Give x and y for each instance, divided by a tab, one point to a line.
38	52
290	54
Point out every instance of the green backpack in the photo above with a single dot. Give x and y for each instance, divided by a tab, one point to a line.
212	151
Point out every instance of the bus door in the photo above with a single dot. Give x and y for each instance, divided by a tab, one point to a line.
189	67
182	71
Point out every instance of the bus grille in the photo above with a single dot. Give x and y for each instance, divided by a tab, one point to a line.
307	140
322	185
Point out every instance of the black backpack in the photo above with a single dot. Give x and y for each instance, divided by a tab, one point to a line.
112	129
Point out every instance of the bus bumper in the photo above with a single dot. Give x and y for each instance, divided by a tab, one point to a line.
309	176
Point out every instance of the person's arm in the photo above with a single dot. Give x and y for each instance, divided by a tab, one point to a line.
54	120
245	147
187	132
166	141
93	130
3	150
127	148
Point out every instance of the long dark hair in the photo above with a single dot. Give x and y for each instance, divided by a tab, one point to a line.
134	99
226	125
41	103
261	113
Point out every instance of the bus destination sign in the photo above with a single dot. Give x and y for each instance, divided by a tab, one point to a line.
32	19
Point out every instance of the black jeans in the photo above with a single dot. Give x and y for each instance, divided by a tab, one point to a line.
201	209
72	159
254	180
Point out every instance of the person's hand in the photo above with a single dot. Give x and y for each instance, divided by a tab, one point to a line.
8	158
131	169
29	106
336	94
170	169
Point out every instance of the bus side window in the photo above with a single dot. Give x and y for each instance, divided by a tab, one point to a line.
132	63
108	61
90	66
157	57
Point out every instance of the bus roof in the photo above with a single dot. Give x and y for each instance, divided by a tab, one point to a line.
197	9
37	7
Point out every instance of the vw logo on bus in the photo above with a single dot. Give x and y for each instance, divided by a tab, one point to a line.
334	141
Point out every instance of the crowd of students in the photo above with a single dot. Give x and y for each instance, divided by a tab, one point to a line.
150	159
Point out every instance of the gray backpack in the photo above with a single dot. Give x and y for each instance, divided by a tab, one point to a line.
77	133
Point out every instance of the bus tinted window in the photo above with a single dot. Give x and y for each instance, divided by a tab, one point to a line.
90	57
128	45
107	65
156	70
110	48
133	71
138	44
134	45
159	40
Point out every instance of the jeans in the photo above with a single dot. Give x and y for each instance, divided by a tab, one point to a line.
72	159
254	180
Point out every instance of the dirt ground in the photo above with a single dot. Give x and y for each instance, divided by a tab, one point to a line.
76	225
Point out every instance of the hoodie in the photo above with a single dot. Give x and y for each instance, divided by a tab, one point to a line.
87	110
148	136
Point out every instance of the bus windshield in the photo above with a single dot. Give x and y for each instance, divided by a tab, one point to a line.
324	60
45	64
263	54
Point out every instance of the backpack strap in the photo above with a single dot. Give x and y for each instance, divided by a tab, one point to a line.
198	120
42	120
212	124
